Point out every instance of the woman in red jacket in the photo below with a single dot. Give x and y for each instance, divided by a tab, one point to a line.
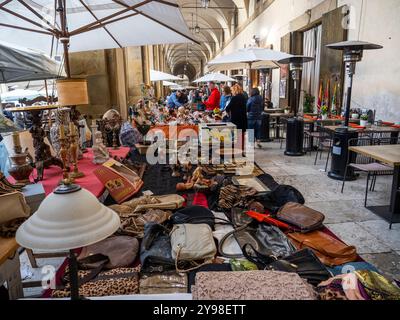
214	98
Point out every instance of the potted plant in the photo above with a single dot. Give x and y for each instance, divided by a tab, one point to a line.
308	105
286	110
354	114
364	120
324	112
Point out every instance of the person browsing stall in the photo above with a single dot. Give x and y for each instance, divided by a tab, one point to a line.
213	100
173	100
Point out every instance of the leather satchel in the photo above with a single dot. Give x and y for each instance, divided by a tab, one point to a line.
163	283
329	250
120	250
194	215
192	242
155	249
303	218
13	206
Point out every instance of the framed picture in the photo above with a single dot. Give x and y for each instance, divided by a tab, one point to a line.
282	88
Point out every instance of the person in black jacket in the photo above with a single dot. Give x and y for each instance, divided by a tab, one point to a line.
236	109
255	108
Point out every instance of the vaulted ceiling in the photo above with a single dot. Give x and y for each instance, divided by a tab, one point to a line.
216	24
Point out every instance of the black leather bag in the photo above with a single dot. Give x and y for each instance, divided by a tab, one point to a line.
280	196
194	215
266	239
155	249
305	263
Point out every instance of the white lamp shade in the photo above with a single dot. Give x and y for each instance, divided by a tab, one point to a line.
67	221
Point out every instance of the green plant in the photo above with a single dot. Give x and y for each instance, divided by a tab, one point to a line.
324	110
309	101
364	117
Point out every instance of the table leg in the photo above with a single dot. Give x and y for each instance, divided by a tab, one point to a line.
311	146
277	130
391	213
11	274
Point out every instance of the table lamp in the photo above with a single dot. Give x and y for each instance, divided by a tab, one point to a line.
69	218
295	126
352	53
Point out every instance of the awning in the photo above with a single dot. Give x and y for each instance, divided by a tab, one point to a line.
20	64
162	76
217	77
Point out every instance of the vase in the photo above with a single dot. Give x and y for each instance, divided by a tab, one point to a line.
62	118
20	168
363	123
324	116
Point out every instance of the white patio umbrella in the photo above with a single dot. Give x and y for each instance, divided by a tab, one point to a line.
216	77
21	64
248	58
18	94
169	84
162	76
81	25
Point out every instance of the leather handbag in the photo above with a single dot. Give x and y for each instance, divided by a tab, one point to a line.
251	285
163	283
13	206
266	239
194	215
192	242
303	218
329	250
155	249
97	283
121	251
305	263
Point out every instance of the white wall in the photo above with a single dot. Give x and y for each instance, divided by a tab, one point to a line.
271	25
377	79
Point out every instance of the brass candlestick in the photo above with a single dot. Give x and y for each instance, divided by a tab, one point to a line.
64	156
74	151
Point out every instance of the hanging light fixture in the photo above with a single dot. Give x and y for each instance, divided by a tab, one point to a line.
197	28
205	3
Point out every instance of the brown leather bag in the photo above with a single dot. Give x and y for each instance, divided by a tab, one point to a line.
329	250
301	217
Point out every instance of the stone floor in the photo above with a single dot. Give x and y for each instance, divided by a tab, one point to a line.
345	213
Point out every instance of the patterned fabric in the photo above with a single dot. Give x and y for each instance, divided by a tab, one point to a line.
377	286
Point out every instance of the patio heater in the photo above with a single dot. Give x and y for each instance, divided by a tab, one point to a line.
295	125
265	136
352	53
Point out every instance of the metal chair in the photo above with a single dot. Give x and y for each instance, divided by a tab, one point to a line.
366	164
325	143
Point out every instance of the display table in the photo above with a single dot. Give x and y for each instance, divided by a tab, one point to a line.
10	267
172	132
389	154
53	174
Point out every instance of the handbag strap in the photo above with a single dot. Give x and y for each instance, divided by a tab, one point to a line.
342	253
225	238
225	221
259	259
179	270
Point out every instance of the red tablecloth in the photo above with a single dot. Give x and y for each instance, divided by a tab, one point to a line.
53	175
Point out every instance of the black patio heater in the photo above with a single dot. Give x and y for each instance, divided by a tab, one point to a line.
295	125
265	120
352	53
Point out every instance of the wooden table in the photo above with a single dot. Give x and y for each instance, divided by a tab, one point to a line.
278	110
10	267
389	154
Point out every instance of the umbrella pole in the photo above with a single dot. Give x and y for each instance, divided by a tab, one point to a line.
250	78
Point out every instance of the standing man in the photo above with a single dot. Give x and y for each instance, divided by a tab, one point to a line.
214	98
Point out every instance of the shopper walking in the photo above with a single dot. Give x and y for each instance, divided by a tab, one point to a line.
255	108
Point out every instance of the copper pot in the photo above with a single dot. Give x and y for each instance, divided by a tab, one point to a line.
20	169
